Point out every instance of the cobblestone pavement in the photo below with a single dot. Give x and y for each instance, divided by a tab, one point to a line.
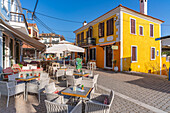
151	90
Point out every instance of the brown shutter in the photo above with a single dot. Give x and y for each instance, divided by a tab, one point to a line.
103	29
107	27
82	37
141	30
112	26
133	26
134	53
151	30
153	53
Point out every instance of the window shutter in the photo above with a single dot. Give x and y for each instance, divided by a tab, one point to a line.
153	53
103	29
141	30
112	26
134	54
151	30
133	26
107	27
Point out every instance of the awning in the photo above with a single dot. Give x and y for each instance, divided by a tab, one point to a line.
23	37
106	44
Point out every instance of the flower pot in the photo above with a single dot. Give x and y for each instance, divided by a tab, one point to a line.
116	69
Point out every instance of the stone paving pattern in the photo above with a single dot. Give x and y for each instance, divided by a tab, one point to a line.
150	90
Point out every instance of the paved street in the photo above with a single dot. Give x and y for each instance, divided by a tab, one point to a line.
146	93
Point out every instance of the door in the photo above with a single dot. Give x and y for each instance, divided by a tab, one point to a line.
108	57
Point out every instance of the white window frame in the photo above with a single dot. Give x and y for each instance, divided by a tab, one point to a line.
151	53
136	53
150	30
157	52
142	31
130	26
93	53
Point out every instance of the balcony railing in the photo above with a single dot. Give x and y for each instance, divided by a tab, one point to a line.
88	41
18	17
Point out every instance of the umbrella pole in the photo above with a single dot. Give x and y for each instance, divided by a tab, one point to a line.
64	58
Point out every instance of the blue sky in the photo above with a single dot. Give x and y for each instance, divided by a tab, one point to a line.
80	10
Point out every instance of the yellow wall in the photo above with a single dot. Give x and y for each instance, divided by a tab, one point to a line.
143	43
165	66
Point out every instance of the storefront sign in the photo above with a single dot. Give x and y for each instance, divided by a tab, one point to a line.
115	47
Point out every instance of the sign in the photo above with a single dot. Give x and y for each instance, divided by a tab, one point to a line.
115	47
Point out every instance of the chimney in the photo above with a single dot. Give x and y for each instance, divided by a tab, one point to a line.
84	23
143	6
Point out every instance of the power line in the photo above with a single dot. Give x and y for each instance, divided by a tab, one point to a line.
35	8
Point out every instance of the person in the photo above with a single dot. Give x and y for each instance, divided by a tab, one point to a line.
78	63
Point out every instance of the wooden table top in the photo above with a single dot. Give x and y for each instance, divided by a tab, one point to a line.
29	78
80	74
78	93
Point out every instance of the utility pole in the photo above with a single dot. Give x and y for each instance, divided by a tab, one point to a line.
35	8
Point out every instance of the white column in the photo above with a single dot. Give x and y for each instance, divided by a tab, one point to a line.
1	51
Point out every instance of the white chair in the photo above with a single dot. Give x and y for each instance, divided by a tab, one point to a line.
94	79
54	107
96	104
60	73
25	67
71	80
11	89
69	71
37	87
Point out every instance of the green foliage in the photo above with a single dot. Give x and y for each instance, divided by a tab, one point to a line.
114	62
166	53
130	69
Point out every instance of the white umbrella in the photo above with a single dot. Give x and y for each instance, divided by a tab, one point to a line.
58	48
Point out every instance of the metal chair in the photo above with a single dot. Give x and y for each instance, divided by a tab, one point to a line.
71	80
69	71
60	73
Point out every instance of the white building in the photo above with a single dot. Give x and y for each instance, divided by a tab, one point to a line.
13	31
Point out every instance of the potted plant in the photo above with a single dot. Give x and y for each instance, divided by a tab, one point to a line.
115	67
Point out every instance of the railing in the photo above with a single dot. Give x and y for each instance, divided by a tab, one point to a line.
18	17
88	41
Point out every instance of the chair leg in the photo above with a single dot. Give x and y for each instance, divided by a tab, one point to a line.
7	101
39	97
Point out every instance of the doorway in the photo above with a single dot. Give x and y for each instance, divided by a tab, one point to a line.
108	57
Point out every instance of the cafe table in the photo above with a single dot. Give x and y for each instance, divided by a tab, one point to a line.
78	93
81	74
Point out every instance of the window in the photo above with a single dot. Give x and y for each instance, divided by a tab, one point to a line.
78	38
82	37
93	54
151	30
101	30
91	31
152	53
133	26
110	27
134	53
141	30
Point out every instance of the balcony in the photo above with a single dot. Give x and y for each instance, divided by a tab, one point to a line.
18	21
88	42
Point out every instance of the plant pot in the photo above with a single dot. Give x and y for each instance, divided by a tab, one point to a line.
116	69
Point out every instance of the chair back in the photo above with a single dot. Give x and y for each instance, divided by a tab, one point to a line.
69	71
111	97
43	83
44	76
55	107
3	88
70	79
60	72
56	65
13	77
50	88
95	78
8	70
25	67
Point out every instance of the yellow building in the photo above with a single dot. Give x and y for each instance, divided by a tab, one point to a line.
126	36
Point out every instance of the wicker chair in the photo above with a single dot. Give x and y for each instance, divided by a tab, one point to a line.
96	104
71	80
69	71
94	79
11	89
37	87
60	73
53	107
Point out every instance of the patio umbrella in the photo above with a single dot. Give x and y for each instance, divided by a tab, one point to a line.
58	48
